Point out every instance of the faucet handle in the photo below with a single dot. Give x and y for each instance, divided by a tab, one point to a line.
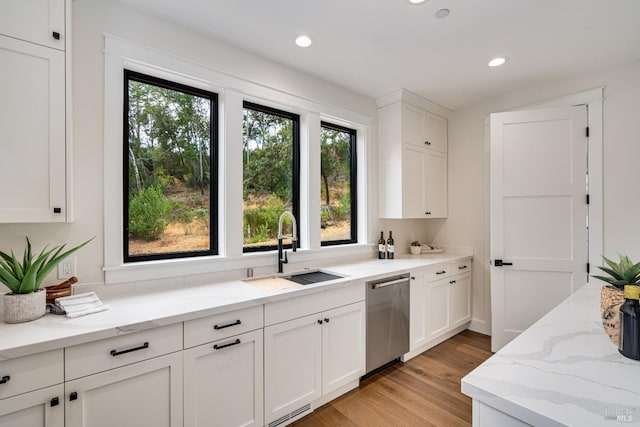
294	243
285	260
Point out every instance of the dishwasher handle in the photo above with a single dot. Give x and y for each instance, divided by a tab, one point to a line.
392	282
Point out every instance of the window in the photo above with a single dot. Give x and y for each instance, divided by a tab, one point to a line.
337	184
271	171
170	161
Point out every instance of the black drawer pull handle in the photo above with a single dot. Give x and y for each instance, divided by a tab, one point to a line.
5	379
441	272
118	353
237	322
73	396
55	35
55	402
462	267
57	210
220	347
452	282
319	322
326	320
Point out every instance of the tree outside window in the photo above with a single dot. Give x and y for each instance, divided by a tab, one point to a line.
169	175
338	184
270	173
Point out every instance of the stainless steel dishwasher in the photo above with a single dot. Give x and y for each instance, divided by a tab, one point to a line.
387	320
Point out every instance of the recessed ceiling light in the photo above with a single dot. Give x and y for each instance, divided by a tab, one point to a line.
496	62
417	1
442	13
304	41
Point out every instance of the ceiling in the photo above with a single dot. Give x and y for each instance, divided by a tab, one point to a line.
375	47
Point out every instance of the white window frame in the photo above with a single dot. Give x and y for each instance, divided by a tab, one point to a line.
232	91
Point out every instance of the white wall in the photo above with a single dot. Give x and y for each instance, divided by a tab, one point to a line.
93	18
467	224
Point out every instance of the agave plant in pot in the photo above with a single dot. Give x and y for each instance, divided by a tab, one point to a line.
619	275
26	301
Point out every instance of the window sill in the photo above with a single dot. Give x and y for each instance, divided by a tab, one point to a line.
162	269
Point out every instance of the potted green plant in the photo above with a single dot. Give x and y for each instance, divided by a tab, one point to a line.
26	301
619	275
416	247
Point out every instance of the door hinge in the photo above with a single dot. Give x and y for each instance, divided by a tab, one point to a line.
588	268
587	131
587	199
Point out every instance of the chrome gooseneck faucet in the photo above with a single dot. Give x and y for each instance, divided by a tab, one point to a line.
294	239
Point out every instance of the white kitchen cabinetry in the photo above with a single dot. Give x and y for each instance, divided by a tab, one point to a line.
413	162
31	391
223	380
33	111
36	21
135	379
315	355
440	304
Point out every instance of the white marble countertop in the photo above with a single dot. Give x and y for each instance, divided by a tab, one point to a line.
132	308
563	370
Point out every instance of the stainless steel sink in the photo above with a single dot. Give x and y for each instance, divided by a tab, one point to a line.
310	277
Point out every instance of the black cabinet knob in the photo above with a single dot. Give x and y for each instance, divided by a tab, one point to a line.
326	320
57	210
56	35
319	322
73	396
5	379
55	401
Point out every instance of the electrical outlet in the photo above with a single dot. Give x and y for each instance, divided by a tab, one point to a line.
67	268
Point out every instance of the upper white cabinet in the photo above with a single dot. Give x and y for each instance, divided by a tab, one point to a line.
421	128
35	21
33	112
412	146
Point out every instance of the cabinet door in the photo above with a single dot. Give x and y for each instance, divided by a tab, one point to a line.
34	21
292	365
40	408
223	382
414	179
413	125
147	393
438	317
460	299
436	132
435	187
343	346
418	311
32	119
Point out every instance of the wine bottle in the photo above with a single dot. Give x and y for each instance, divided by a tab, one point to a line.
381	246
629	341
390	246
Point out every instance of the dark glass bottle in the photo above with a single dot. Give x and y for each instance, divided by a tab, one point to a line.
629	344
381	246
390	246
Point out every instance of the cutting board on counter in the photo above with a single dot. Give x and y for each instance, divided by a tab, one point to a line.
272	283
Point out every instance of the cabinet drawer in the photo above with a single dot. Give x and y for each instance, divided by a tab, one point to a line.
460	267
294	308
222	326
31	373
97	356
438	272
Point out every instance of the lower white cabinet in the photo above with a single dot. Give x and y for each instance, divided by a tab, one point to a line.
142	394
223	382
343	346
311	356
440	302
40	408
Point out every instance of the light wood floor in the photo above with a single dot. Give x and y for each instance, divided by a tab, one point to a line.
425	391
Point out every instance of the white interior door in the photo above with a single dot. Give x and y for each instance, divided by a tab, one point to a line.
538	215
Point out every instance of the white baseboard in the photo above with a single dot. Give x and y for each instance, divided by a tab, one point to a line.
480	326
418	350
